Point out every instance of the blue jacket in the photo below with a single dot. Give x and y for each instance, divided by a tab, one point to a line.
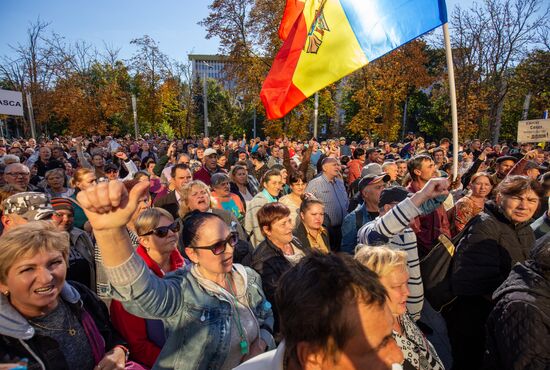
198	323
350	229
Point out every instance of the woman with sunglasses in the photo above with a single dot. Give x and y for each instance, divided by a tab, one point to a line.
215	312
158	236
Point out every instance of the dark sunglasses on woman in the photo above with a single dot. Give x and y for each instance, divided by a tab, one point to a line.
162	231
219	247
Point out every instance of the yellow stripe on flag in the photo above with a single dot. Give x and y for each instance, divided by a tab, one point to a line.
331	49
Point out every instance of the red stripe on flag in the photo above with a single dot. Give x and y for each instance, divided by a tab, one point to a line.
293	9
279	94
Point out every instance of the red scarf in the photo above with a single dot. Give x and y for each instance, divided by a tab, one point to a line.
176	260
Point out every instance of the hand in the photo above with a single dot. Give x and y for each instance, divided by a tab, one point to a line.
114	359
171	150
483	155
532	154
433	189
109	206
455	184
121	155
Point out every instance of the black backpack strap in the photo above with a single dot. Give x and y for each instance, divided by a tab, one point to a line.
358	219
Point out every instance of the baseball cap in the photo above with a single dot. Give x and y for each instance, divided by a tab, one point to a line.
393	194
32	206
372	179
371	169
208	152
372	150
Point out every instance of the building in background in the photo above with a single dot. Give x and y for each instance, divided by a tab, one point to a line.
212	66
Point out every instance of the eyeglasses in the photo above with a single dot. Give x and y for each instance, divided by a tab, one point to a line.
162	231
17	174
219	247
111	170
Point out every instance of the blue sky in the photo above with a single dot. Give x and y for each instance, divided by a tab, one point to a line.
172	23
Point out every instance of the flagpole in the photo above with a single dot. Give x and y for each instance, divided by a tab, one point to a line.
452	91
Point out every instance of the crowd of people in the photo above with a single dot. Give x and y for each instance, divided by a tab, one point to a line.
215	253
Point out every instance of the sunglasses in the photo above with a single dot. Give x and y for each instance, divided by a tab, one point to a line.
219	247
162	231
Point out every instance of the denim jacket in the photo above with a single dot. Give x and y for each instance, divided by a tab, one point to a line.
197	322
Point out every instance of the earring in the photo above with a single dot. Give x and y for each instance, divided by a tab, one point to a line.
6	293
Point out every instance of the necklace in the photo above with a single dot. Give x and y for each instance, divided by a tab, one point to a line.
243	343
71	330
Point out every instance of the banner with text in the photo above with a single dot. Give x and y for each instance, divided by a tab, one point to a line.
534	131
11	102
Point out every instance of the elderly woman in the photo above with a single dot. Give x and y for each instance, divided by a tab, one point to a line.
52	323
310	231
472	204
195	196
293	200
55	184
498	238
271	186
158	237
223	198
215	313
391	267
279	251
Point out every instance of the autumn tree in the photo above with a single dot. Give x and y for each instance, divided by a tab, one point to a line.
380	88
490	40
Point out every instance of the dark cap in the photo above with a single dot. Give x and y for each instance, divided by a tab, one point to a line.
372	179
110	167
393	194
372	150
532	164
506	158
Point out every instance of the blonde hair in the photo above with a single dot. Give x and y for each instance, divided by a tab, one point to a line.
79	174
186	192
28	240
381	259
149	219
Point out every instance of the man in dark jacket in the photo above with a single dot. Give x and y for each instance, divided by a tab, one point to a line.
518	328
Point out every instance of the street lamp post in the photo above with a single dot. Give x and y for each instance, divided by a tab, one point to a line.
205	102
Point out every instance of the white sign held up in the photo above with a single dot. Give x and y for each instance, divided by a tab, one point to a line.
534	131
11	103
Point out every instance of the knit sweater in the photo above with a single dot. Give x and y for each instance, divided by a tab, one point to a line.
393	230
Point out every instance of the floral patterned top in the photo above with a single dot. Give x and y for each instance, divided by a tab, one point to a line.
418	351
465	209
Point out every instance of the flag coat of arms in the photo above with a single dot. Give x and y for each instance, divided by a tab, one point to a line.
325	40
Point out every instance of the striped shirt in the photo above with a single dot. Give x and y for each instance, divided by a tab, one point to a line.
333	194
393	229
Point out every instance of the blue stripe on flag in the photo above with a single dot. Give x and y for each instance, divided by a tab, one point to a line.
383	25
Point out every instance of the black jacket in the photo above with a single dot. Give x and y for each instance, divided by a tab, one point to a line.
487	252
48	349
518	328
484	257
270	262
301	234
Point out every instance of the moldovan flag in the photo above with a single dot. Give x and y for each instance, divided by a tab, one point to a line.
330	39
